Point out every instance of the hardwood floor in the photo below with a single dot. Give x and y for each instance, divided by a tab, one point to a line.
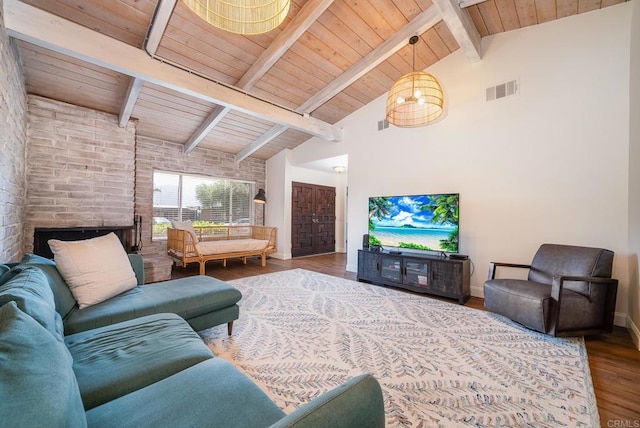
613	359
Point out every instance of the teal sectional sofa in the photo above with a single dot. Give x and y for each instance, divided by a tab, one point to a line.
137	361
202	301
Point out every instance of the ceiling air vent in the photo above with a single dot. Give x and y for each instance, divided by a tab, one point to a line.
383	124
502	90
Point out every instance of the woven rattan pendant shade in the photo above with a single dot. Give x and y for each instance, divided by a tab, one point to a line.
416	99
241	16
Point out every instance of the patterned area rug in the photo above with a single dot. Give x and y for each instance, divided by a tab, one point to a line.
301	333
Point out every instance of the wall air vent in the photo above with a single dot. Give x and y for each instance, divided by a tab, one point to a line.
383	124
503	90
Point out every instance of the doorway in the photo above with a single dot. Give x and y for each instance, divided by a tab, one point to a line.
313	219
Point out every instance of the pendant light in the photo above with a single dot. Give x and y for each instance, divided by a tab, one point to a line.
416	99
241	16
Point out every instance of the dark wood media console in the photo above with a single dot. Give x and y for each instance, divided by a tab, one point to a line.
427	274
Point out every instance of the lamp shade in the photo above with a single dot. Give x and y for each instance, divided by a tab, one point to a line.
260	197
241	16
416	99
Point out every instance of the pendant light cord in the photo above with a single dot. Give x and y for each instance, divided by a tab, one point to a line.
413	40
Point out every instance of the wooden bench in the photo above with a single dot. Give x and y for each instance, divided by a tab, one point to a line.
220	243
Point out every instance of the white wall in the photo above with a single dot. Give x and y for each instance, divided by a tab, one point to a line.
547	165
634	176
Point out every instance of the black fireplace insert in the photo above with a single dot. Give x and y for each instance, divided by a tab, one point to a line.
42	235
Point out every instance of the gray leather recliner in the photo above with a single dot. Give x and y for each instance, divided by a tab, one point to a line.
569	291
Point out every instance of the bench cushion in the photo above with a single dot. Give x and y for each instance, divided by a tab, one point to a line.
205	294
113	361
207	394
207	248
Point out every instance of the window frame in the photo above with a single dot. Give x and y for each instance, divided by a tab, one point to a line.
181	175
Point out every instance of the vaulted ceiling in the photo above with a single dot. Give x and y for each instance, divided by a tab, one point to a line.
185	81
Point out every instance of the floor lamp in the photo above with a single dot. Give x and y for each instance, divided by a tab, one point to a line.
261	198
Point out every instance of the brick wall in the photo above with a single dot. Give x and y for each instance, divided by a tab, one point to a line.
80	167
83	170
153	154
12	149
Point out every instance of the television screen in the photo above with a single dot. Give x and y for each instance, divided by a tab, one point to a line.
418	222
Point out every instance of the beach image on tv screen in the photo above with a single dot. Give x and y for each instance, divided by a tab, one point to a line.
420	222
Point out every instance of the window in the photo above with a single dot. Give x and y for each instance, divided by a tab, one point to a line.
203	200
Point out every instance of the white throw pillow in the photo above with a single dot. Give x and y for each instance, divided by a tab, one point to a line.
185	225
95	269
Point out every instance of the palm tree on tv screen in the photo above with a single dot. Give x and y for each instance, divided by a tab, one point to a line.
378	208
445	210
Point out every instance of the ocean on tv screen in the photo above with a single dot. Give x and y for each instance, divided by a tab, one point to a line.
396	236
420	222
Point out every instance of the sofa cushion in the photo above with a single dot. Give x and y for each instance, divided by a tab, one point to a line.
205	294
95	269
113	361
211	393
525	302
34	259
28	287
65	301
37	384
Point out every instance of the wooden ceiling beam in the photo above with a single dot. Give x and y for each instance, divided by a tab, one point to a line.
161	17
135	85
300	23
309	13
217	114
461	26
158	25
32	25
467	3
381	53
260	142
400	39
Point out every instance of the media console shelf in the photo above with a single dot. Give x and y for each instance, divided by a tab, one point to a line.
427	274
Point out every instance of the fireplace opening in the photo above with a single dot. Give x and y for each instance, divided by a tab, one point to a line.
42	235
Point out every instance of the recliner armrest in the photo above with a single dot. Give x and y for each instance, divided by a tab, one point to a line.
556	295
494	265
559	280
356	403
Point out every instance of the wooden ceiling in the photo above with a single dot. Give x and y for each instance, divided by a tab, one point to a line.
328	59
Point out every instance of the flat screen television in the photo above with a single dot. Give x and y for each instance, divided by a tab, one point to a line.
416	222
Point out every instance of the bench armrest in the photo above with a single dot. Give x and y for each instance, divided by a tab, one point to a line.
357	403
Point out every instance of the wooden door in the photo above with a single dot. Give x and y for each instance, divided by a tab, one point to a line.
313	219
